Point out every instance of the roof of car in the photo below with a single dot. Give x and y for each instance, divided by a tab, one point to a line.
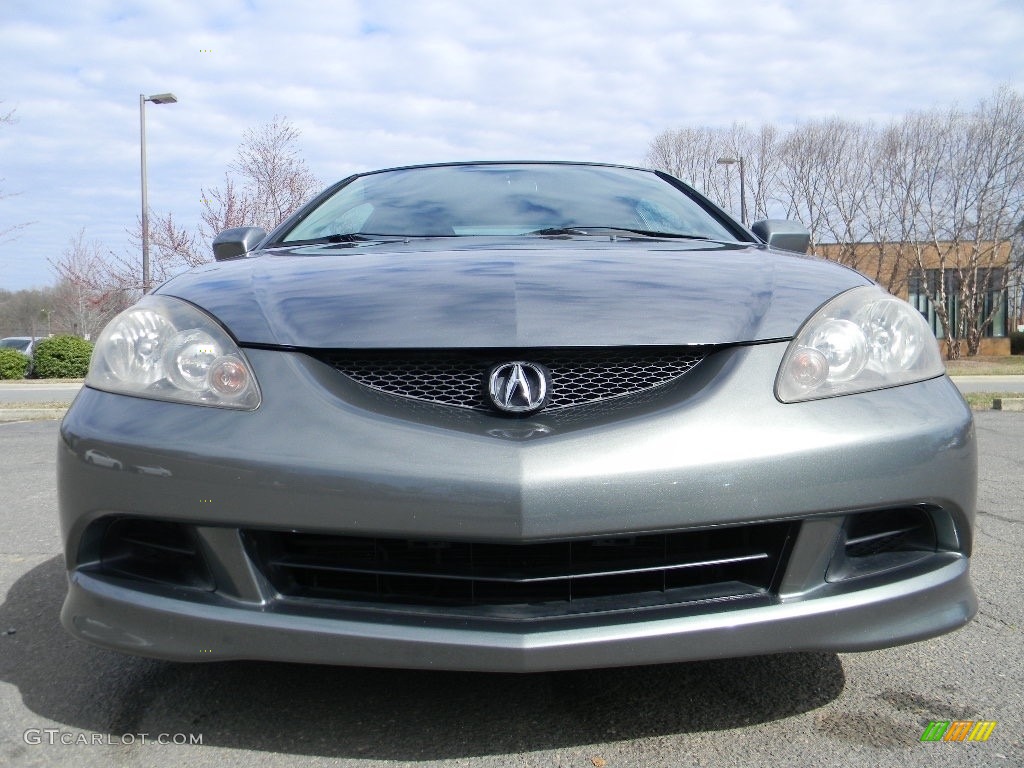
457	163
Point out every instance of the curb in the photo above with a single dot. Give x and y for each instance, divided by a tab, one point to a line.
8	415
1008	404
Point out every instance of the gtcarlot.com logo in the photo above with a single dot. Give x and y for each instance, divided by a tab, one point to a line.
958	730
53	736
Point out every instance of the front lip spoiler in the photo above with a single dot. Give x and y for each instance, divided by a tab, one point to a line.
122	619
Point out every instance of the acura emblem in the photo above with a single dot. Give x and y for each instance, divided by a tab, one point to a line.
518	387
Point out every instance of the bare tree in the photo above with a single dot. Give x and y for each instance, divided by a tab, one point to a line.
172	247
90	288
272	181
23	313
692	154
967	201
992	165
935	197
889	208
1015	283
763	160
809	179
7	231
265	183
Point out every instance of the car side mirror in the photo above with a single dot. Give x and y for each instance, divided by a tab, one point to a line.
237	242
783	234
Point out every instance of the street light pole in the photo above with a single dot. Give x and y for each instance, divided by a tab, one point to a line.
743	185
160	98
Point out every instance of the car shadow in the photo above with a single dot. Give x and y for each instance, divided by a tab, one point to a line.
383	714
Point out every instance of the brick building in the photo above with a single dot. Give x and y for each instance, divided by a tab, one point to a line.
912	272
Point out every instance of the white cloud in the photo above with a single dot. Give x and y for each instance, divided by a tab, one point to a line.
374	84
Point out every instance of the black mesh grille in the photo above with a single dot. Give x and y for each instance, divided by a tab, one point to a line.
578	376
515	581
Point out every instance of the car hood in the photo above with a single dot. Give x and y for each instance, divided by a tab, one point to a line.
487	292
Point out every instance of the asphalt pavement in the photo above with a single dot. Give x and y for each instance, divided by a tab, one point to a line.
64	703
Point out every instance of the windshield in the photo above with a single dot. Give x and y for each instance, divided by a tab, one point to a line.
507	199
21	345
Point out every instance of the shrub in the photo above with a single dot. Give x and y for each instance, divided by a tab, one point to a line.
1017	343
13	364
62	357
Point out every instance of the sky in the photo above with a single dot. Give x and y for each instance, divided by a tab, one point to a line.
396	82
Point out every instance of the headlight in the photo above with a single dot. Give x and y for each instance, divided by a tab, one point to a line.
863	339
166	349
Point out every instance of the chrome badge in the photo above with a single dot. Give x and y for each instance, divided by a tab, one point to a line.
519	388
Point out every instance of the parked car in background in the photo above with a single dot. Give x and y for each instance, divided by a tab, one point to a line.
23	344
26	345
515	417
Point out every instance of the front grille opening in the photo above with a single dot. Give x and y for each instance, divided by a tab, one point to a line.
874	542
153	551
522	581
459	379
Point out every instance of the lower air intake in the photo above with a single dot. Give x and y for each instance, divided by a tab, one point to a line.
153	551
874	542
523	581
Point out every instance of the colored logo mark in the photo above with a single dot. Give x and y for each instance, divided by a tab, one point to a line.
958	730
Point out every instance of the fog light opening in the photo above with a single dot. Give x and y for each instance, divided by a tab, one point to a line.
883	540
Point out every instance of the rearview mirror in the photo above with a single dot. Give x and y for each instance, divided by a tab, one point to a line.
783	234
237	242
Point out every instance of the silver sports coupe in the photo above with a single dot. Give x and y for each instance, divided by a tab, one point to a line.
515	416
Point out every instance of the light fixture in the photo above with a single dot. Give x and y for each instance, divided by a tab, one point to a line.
160	98
743	184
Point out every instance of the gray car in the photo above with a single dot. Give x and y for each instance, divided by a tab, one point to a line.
515	417
24	344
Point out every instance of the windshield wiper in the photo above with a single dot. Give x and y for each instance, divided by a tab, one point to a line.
346	238
602	230
560	231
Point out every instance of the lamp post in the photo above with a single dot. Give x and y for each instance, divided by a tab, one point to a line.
160	98
743	185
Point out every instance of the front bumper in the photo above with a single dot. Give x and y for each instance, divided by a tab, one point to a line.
148	625
321	456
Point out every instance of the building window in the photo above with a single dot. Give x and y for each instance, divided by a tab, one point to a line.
924	284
